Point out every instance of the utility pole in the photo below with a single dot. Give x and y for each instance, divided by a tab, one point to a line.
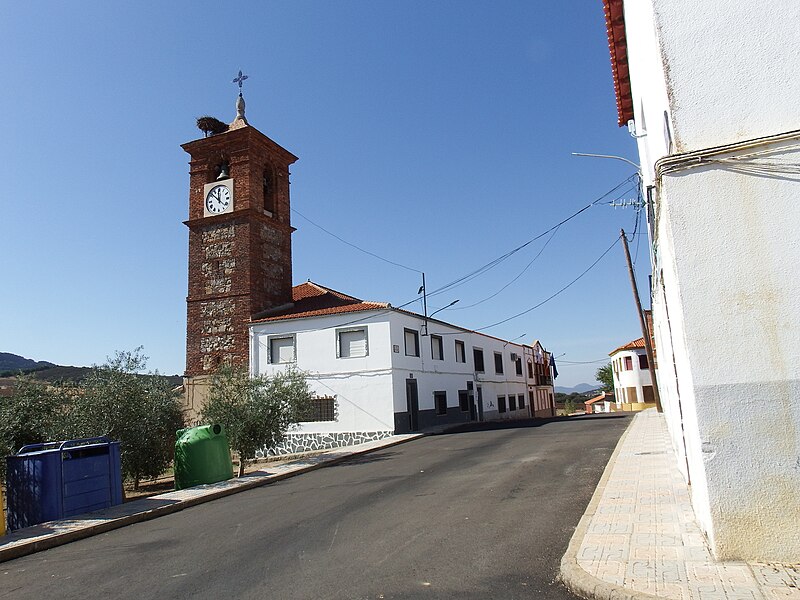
424	291
645	332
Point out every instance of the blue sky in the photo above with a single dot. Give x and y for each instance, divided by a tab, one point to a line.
435	134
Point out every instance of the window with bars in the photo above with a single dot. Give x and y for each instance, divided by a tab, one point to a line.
521	398
322	409
501	404
512	402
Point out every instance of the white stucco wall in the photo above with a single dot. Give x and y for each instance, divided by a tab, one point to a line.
362	386
725	301
635	378
731	68
370	389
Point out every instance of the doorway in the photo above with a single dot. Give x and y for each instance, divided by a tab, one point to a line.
480	403
412	403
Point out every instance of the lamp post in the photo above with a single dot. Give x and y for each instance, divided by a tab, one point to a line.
430	316
612	156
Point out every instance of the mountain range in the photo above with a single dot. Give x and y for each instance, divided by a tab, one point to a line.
580	388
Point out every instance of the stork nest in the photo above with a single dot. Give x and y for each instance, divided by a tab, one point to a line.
210	125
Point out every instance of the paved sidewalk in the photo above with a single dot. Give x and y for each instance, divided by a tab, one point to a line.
55	533
639	537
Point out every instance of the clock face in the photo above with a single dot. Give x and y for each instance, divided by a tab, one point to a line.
218	199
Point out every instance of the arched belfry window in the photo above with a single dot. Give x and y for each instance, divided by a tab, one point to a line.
269	190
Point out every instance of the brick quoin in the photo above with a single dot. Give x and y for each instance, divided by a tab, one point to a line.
240	263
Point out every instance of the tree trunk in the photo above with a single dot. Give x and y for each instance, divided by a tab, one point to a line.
241	466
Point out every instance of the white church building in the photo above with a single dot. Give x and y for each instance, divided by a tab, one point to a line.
376	370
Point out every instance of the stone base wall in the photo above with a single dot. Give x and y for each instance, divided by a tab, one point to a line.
307	442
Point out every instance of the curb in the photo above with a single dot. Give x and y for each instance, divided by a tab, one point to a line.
59	539
572	574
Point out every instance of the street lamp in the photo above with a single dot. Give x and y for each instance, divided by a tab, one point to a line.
612	156
441	309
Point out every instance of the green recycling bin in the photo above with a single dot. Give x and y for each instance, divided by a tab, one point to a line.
202	455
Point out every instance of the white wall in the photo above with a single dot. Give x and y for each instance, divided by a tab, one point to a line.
447	375
362	386
731	68
635	378
370	389
725	250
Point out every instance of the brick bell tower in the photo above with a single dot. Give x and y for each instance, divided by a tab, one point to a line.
240	249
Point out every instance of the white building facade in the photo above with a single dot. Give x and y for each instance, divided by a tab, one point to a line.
376	370
714	100
632	381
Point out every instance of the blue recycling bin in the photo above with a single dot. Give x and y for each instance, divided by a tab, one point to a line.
56	480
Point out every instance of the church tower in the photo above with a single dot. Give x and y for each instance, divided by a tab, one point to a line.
240	250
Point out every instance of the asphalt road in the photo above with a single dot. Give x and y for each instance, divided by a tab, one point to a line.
480	514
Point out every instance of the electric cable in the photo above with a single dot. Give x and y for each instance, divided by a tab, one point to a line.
344	241
563	289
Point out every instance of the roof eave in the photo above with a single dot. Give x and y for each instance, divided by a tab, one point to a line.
618	48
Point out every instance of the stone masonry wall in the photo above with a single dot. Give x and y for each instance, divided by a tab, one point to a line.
307	442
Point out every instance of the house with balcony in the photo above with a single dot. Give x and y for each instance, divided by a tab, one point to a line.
376	370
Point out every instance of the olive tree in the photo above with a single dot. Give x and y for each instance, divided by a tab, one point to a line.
34	413
142	412
256	411
605	376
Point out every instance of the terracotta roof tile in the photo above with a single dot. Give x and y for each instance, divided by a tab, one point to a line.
618	47
637	344
313	300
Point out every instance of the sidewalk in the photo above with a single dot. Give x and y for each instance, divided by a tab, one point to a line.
55	533
639	537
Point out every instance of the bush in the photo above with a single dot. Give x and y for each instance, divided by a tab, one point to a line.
142	412
256	411
34	414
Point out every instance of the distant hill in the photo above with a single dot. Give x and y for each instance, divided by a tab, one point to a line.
14	363
579	389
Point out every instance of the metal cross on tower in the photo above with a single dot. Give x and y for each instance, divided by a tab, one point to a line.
240	80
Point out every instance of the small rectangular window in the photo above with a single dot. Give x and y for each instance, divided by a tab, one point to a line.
501	404
352	343
463	400
477	356
498	363
412	342
512	402
461	355
530	370
437	348
440	400
322	409
281	350
643	362
629	363
518	364
521	399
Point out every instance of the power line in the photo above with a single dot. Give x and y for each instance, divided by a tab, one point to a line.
497	261
344	241
524	312
521	273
